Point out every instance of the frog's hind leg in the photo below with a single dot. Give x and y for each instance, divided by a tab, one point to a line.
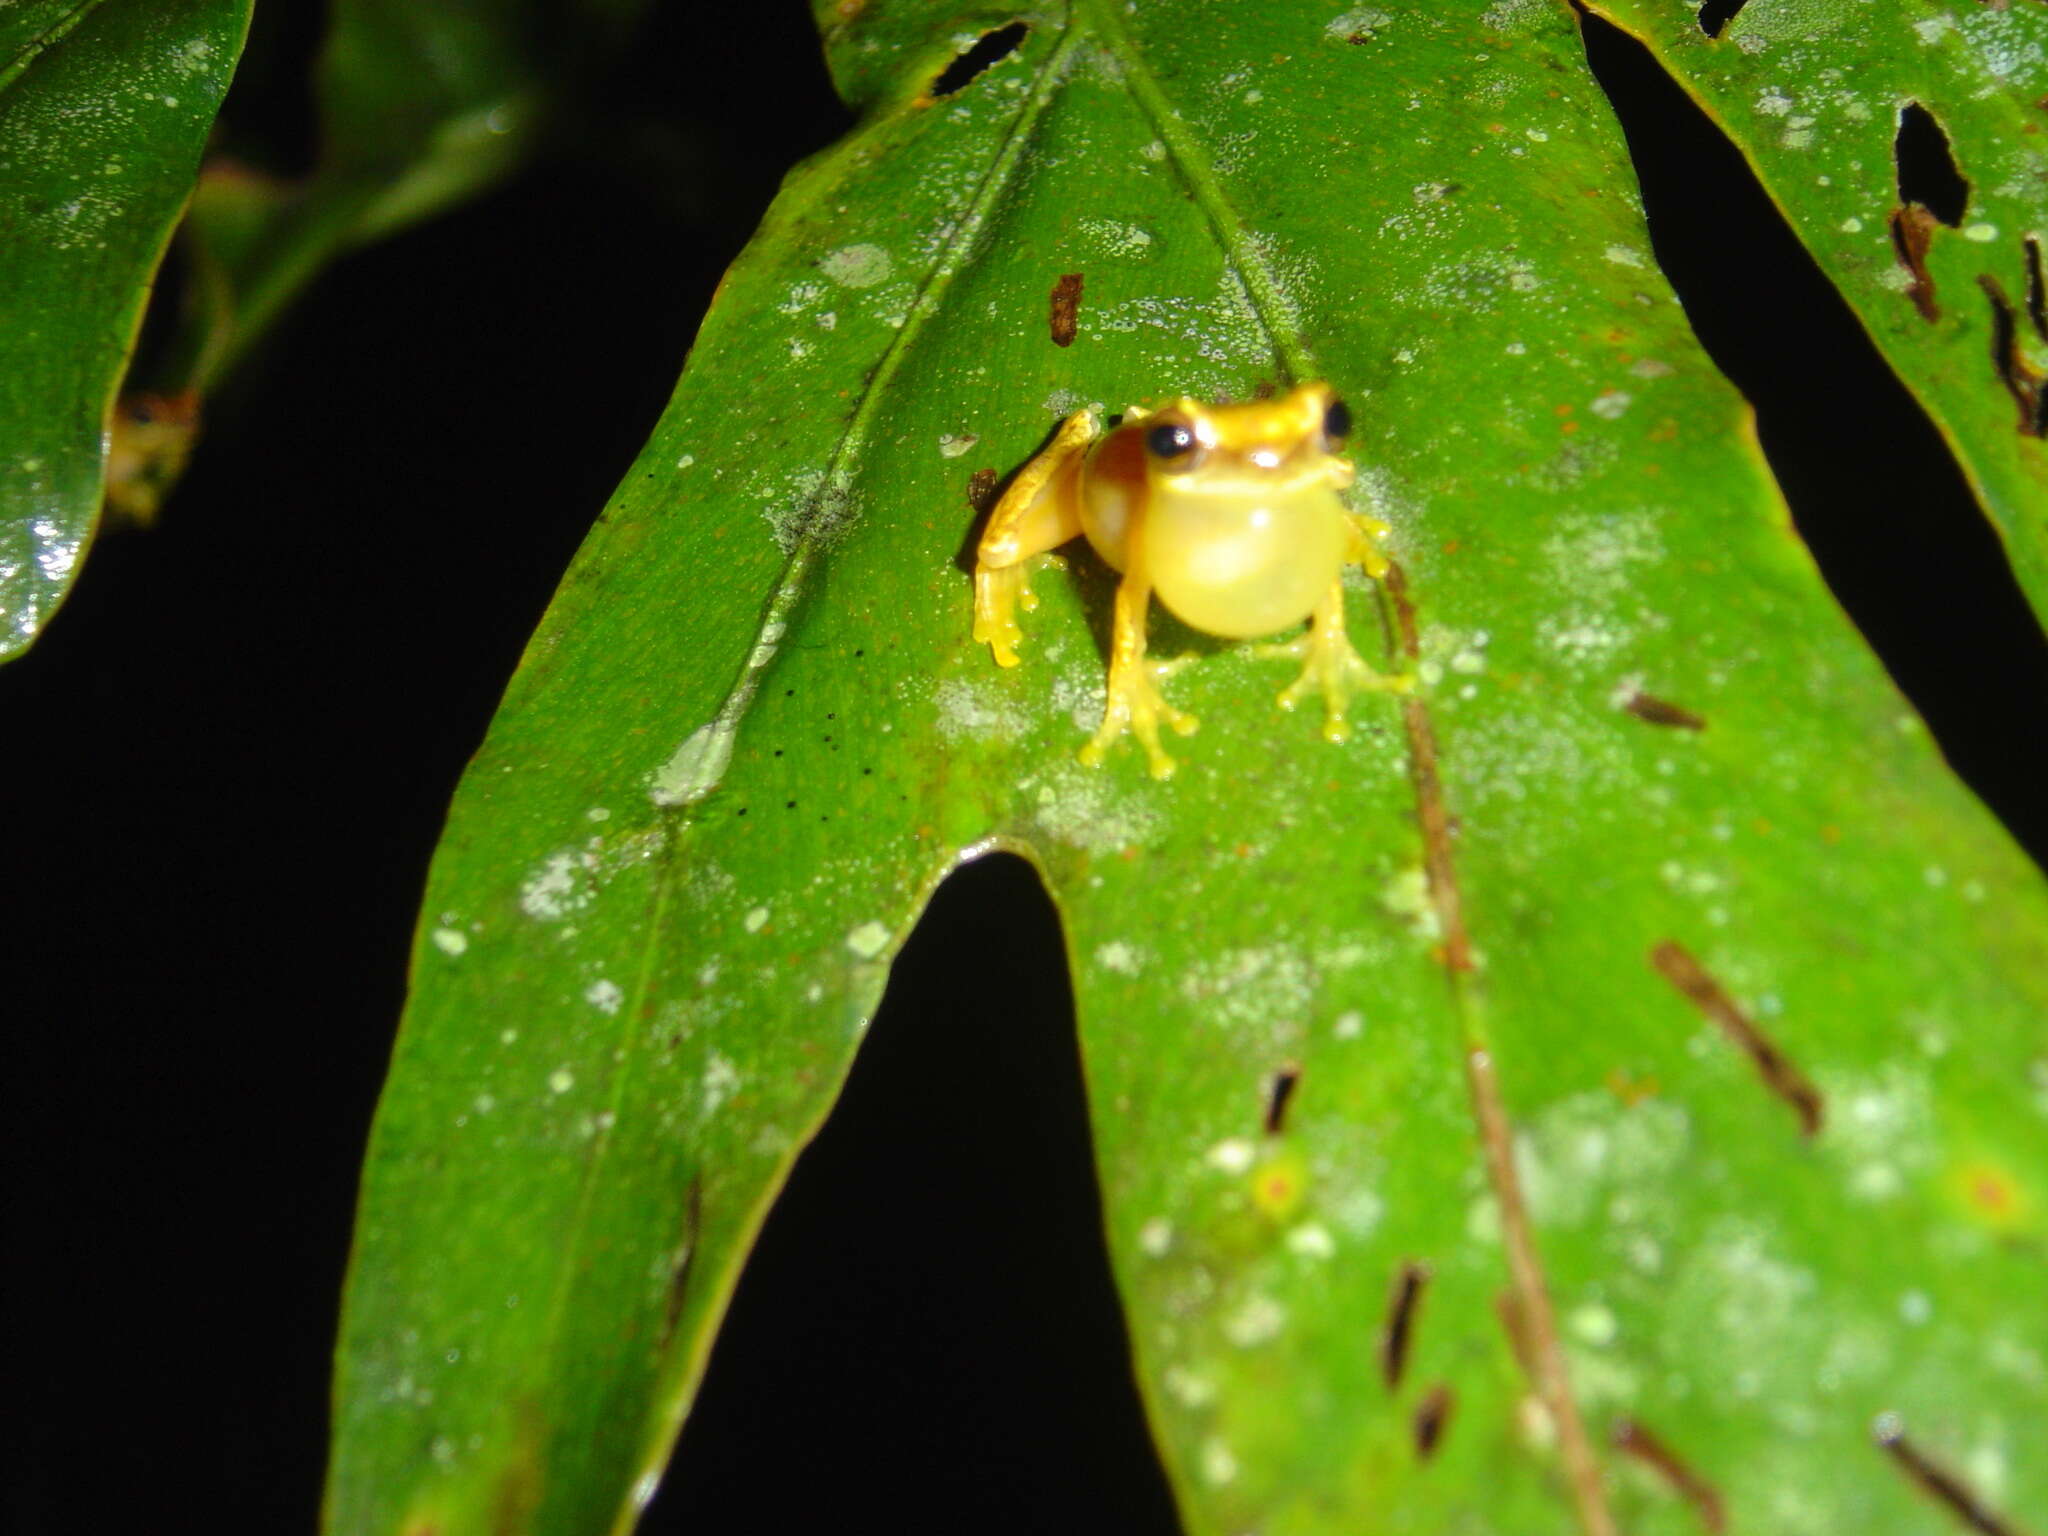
1332	666
1041	510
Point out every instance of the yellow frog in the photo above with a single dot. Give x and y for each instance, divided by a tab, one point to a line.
1229	512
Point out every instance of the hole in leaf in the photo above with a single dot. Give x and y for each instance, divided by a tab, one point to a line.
1716	14
987	51
1927	168
2019	377
1279	1096
1872	486
928	1312
1399	1335
2037	304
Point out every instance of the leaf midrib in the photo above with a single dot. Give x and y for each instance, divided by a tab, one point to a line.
1273	312
50	35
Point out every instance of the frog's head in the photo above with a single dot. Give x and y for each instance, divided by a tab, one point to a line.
1261	447
1244	532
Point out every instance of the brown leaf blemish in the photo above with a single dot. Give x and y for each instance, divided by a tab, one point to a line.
1432	1418
1936	1481
1630	1436
1399	1334
1647	706
683	1261
1677	965
1912	233
1280	1095
1066	309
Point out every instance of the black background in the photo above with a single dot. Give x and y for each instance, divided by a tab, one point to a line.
226	765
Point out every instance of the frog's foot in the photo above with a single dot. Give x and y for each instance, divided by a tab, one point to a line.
998	594
1136	705
1333	668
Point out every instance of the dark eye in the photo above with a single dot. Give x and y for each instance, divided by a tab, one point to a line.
1337	421
1170	440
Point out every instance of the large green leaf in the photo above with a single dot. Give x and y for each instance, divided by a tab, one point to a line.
104	109
1817	96
1651	1001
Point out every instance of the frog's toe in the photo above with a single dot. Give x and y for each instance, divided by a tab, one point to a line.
1146	729
996	595
1295	691
1001	639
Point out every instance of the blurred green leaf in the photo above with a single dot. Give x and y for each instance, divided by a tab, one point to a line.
1647	991
420	107
1816	97
104	109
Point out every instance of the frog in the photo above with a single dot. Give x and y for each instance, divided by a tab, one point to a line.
1230	514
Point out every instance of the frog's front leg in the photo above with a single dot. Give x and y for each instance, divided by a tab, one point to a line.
1332	666
1135	703
1040	511
1363	549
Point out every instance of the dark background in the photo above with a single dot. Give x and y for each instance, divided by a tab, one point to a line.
227	763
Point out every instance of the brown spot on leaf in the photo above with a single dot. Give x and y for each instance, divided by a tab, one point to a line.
1630	1436
1678	966
1066	309
1936	1481
1647	706
1432	1418
1399	1334
1912	233
1280	1095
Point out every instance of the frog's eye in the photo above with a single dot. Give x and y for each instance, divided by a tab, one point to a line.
1336	423
1175	444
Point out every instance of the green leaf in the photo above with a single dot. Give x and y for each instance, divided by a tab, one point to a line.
1816	97
421	107
1650	999
104	109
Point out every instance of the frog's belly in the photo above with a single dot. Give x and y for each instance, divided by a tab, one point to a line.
1240	570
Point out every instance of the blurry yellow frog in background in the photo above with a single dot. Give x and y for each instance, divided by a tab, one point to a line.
1229	512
